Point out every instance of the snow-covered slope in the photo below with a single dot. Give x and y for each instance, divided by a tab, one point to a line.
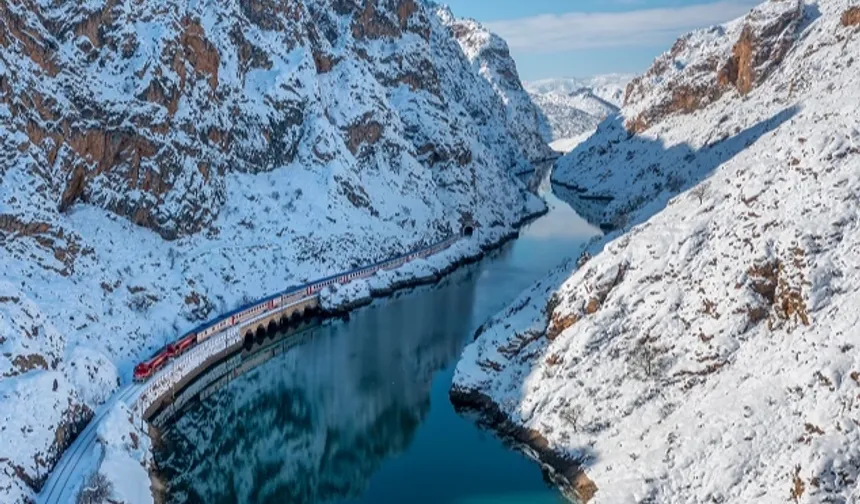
491	59
706	350
571	115
164	161
574	107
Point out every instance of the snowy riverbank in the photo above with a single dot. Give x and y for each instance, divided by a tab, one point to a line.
706	351
185	159
116	456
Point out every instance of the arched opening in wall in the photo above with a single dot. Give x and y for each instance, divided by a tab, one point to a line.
260	335
249	341
468	231
283	322
295	318
272	329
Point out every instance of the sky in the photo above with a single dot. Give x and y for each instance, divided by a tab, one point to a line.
581	38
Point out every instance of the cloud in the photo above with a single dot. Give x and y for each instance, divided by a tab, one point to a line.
645	27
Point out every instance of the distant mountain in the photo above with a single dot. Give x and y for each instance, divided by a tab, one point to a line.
574	107
570	115
609	87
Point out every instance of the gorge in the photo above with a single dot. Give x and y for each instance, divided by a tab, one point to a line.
677	327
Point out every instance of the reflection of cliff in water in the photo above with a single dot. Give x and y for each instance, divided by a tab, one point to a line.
313	424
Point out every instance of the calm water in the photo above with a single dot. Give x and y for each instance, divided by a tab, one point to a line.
357	412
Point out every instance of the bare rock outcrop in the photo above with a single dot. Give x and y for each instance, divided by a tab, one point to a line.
851	16
149	127
704	65
162	161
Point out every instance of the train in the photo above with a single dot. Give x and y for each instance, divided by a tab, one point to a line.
293	295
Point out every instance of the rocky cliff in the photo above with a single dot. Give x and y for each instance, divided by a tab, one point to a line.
721	64
491	59
166	161
144	109
706	349
704	65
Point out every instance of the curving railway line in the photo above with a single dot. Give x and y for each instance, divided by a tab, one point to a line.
157	376
60	486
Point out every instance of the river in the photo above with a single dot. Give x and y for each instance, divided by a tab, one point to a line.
357	412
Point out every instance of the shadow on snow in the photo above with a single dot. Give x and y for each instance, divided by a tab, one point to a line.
641	174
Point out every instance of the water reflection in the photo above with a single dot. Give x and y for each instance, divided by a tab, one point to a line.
313	424
358	412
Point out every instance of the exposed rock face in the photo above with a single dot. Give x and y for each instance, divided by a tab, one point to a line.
851	17
766	38
165	161
491	58
147	125
701	67
718	310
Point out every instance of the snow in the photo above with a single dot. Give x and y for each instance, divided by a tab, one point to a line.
491	59
127	454
88	294
92	374
35	412
566	145
574	107
707	351
607	87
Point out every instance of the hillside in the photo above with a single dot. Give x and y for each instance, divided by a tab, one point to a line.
491	59
574	107
570	115
165	161
706	349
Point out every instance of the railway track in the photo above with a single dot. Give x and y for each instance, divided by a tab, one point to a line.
65	479
62	483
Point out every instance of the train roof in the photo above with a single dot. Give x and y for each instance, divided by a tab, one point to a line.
244	307
333	277
289	290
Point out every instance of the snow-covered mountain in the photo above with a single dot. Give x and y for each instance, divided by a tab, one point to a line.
706	349
570	115
491	59
164	161
574	107
607	87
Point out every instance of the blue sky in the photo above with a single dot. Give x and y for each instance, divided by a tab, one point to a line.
579	38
